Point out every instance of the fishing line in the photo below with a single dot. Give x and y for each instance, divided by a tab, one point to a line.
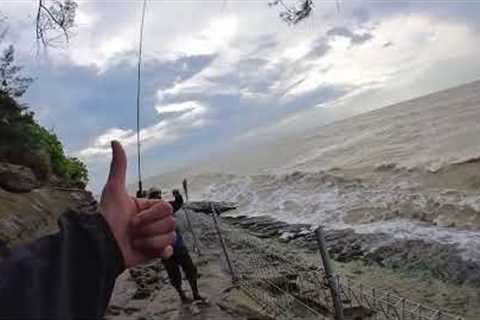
139	78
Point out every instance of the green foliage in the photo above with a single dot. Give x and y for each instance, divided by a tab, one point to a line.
22	140
25	142
12	82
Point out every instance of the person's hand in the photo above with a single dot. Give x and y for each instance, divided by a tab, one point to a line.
144	229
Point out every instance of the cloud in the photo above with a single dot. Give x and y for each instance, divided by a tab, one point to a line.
181	118
101	144
210	40
355	38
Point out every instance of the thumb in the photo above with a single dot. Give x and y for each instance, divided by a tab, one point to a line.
118	166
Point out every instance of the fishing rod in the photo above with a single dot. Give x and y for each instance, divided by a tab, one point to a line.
139	78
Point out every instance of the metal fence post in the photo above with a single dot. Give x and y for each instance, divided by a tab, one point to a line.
334	289
222	243
190	226
361	298
388	303
189	223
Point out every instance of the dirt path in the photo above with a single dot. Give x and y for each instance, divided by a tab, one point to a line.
144	293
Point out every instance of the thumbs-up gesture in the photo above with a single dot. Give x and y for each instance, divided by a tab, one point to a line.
144	229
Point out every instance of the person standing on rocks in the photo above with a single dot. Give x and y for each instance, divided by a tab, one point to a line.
180	258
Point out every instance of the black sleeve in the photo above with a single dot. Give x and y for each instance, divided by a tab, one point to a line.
67	275
177	203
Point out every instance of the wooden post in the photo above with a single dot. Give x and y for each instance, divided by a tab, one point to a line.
334	289
222	243
196	248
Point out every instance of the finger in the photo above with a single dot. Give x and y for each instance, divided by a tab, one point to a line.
143	204
118	166
154	244
159	227
157	212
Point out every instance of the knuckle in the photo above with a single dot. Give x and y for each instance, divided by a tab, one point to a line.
164	208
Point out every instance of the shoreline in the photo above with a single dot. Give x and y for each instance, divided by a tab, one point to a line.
441	261
247	250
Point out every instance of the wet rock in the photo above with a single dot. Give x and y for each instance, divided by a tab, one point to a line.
141	294
15	178
114	310
442	261
206	206
130	310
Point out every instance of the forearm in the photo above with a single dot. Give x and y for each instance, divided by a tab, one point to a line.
70	274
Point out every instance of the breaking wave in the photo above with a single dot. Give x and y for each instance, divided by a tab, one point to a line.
388	200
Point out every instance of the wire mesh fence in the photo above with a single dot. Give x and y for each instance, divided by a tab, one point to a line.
288	287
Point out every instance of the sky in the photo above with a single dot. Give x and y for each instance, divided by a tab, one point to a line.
217	74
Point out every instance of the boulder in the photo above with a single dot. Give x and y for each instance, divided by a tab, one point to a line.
15	178
206	206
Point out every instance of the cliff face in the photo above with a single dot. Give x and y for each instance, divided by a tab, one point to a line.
30	208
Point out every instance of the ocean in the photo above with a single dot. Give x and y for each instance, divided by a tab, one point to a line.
411	170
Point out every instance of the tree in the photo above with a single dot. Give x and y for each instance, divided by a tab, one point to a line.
55	21
12	82
293	14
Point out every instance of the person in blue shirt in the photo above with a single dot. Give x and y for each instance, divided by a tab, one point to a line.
180	257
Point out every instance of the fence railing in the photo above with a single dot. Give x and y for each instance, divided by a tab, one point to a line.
288	287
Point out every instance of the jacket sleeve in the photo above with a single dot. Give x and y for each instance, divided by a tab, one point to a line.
66	275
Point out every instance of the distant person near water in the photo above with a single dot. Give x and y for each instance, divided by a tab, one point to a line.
181	257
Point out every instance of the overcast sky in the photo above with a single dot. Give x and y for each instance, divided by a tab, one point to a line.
220	72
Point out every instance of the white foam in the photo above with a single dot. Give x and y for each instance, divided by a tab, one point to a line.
299	199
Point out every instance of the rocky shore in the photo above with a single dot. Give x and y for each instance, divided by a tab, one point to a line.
441	261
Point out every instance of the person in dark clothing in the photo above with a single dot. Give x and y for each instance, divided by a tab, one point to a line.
71	274
181	258
155	193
